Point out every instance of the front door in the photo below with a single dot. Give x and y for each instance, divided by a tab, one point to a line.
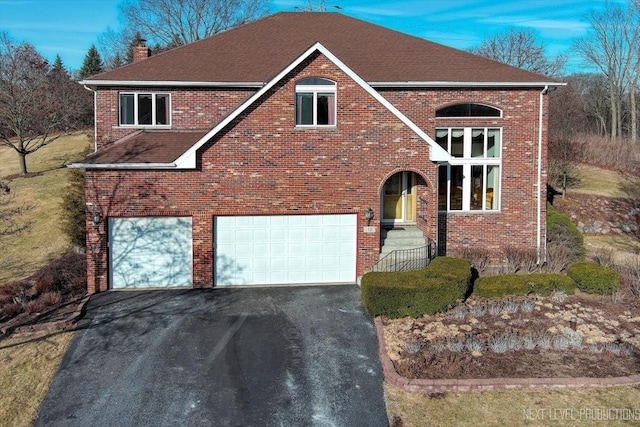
399	199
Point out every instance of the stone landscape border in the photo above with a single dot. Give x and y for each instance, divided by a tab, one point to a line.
63	324
482	384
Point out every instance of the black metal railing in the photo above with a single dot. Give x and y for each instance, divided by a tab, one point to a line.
422	208
406	259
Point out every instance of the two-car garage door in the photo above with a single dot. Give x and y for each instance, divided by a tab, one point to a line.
285	249
249	250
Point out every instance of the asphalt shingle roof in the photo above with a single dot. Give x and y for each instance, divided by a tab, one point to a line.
256	52
146	146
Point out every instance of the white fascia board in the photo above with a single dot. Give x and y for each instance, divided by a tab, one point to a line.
188	159
122	166
465	84
139	83
436	153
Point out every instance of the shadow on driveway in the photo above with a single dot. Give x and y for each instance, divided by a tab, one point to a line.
287	356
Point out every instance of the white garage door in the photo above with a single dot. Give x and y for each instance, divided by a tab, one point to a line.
253	250
150	252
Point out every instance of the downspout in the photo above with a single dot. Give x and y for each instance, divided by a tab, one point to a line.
95	119
540	256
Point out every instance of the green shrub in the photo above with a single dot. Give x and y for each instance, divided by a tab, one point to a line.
522	284
594	278
562	232
457	269
414	293
74	210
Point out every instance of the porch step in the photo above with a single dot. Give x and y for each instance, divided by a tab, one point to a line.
397	238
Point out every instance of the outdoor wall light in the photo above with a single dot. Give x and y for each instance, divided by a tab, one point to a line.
368	214
96	218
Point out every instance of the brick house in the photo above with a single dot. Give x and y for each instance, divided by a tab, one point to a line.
277	152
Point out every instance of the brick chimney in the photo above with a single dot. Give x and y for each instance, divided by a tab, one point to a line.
141	51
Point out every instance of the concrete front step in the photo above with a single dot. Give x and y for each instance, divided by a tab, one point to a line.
398	238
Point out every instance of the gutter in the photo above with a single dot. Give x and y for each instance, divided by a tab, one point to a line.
464	84
161	83
95	120
122	166
541	256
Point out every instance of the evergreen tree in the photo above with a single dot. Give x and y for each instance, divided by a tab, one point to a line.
92	64
117	61
58	65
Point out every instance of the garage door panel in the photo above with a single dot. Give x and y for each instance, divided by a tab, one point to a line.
299	249
150	252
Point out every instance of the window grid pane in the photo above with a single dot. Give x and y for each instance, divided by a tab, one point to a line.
493	187
145	109
493	143
455	198
304	108
162	109
480	189
127	109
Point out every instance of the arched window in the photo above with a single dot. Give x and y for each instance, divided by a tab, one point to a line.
468	110
315	102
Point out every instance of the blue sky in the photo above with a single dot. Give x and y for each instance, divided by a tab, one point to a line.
69	27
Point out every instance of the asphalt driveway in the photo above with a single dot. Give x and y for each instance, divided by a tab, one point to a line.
287	356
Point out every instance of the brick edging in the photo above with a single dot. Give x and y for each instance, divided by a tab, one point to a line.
63	324
442	385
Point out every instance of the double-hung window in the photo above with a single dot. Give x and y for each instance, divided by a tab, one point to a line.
471	180
145	109
315	102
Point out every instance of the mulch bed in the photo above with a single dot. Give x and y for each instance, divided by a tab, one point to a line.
419	347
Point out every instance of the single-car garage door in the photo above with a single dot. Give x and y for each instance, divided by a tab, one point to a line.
285	249
150	252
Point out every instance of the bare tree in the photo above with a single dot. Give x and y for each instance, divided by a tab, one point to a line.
593	90
521	49
612	47
567	117
179	22
313	6
37	105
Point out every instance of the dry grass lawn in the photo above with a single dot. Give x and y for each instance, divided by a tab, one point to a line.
569	407
599	181
23	255
28	363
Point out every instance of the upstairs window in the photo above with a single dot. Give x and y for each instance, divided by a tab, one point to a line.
315	102
144	109
468	110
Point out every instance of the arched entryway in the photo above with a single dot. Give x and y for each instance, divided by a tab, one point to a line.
399	198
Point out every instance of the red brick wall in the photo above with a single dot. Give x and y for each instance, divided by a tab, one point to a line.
262	164
190	109
516	222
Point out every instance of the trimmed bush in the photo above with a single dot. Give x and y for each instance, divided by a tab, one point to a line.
594	278
414	293
562	232
522	284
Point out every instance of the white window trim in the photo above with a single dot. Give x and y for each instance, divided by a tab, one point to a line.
315	90
153	110
467	162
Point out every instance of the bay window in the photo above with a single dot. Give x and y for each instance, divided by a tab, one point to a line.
471	180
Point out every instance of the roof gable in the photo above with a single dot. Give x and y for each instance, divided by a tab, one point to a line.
188	158
436	153
256	52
